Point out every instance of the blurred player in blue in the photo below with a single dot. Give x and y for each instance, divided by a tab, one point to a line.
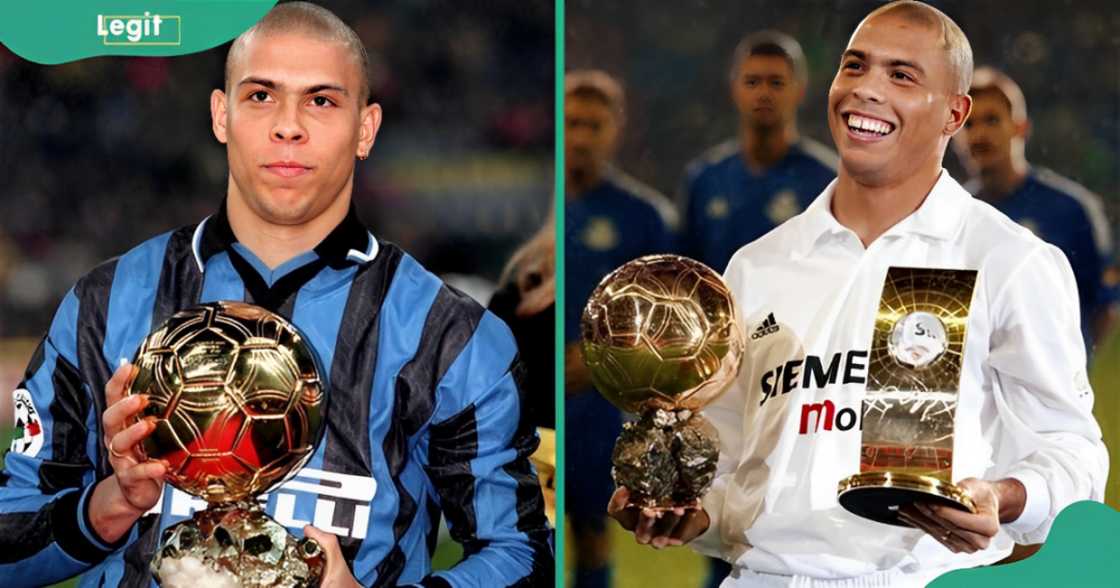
610	218
1055	208
740	189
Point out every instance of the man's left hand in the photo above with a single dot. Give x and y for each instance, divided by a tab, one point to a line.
337	574
962	531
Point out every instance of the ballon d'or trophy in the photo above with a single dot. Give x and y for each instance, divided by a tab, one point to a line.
238	403
660	339
914	374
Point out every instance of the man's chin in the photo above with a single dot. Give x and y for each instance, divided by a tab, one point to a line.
864	168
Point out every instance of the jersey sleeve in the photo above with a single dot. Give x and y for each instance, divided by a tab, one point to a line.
1049	439
478	461
45	531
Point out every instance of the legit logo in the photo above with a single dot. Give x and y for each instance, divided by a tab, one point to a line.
149	29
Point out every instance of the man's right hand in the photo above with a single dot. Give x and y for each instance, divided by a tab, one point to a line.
136	484
658	528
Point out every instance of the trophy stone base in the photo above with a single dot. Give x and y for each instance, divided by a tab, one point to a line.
666	459
879	495
234	545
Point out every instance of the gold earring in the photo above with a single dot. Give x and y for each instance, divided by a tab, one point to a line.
363	156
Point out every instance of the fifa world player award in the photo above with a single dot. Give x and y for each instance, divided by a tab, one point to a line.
238	403
914	375
660	339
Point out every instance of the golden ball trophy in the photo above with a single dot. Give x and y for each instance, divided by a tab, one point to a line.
238	403
914	374
661	339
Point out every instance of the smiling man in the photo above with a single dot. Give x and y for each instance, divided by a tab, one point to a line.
1025	442
424	417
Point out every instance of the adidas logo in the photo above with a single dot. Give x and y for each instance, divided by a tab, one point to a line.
768	326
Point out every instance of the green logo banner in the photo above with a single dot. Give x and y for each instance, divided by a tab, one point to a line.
1080	551
58	31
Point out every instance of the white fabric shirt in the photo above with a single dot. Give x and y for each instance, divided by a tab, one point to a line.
1024	409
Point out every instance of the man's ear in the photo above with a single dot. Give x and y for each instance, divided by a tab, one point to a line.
1023	129
218	115
960	106
369	124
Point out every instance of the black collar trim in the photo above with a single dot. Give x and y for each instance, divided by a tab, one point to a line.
347	244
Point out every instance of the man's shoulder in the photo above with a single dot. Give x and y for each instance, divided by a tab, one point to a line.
814	155
643	196
143	262
772	248
712	159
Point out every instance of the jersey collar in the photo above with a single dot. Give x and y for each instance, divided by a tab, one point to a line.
939	217
347	244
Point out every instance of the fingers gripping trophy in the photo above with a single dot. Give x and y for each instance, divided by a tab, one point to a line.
661	340
238	405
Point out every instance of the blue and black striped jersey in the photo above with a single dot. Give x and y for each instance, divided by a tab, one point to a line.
423	419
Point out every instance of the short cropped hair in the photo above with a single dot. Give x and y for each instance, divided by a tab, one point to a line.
771	43
953	40
596	84
990	80
312	20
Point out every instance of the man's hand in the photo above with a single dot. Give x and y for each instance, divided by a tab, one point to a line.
962	531
337	574
118	501
658	528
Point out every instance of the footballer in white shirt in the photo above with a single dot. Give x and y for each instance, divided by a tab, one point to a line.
1026	444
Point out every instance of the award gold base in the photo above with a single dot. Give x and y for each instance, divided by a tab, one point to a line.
879	495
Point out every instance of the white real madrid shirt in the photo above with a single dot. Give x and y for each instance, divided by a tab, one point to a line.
789	426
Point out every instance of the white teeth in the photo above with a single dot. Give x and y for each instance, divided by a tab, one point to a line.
869	124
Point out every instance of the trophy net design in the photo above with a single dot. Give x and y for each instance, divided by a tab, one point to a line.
914	373
660	339
238	403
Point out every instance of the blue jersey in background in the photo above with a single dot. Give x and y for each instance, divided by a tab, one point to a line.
607	226
727	206
1065	214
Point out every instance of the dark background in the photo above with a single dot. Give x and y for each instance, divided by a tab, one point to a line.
101	154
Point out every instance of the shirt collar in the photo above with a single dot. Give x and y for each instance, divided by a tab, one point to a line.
939	217
347	244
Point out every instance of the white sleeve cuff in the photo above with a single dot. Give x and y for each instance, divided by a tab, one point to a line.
1037	507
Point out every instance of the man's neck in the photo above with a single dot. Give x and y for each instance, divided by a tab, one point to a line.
763	148
274	243
870	209
998	182
578	184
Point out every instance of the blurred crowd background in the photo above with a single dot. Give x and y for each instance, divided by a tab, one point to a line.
674	62
1065	54
98	155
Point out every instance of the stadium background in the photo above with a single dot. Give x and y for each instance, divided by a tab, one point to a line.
674	60
101	154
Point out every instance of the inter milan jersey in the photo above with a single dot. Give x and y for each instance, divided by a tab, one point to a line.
727	205
423	417
1065	214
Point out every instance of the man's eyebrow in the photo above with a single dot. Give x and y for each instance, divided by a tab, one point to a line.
272	85
904	63
862	56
